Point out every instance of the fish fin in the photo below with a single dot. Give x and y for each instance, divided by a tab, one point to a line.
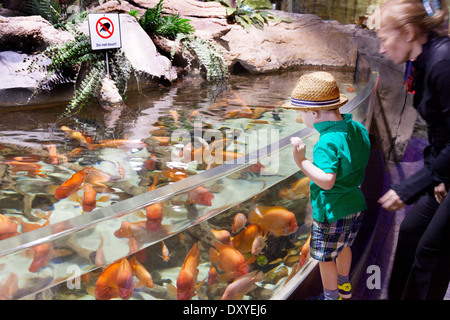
213	255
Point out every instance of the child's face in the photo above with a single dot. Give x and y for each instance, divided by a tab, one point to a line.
309	117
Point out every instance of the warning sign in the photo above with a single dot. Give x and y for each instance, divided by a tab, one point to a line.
104	31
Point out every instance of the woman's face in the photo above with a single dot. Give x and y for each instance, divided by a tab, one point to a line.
393	42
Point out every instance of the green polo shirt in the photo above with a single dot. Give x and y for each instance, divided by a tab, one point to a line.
343	148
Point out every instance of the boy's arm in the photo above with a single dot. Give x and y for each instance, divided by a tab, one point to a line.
323	179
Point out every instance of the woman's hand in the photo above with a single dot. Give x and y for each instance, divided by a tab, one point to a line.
440	192
391	201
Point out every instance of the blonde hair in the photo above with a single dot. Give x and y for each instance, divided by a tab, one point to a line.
413	12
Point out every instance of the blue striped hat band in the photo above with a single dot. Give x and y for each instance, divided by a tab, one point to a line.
309	103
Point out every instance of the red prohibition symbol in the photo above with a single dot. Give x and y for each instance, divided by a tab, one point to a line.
104	25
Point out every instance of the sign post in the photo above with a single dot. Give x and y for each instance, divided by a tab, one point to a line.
104	32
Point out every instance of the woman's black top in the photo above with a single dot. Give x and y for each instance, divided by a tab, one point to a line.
432	100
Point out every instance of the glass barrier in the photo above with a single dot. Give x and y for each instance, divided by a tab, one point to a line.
62	252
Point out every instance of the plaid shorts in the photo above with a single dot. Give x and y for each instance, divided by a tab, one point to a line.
328	239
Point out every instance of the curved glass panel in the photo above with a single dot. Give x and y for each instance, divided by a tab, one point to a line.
44	257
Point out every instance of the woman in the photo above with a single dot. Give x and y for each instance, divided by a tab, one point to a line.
418	30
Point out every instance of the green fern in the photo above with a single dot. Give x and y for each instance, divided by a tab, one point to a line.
50	10
167	26
210	57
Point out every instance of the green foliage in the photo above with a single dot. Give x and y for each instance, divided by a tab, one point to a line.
65	66
210	57
166	26
247	13
50	10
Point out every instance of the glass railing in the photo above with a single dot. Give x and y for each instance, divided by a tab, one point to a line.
64	251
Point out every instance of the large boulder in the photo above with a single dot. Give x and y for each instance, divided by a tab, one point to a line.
29	34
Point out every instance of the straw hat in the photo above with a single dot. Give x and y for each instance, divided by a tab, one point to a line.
316	91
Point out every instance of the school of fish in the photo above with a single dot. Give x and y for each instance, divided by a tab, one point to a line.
230	256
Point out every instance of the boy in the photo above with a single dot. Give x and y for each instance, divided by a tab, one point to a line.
336	173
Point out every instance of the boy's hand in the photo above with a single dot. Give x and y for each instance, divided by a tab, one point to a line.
299	148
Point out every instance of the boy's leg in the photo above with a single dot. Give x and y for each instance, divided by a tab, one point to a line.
343	264
328	273
344	261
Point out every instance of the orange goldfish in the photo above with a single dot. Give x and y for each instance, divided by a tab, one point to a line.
154	212
222	235
27	227
243	241
42	256
75	152
32	169
229	259
89	196
106	286
305	253
277	220
72	184
165	252
76	135
122	144
10	287
221	156
174	174
298	190
200	195
187	278
115	281
8	228
125	286
97	178
141	273
163	141
29	158
212	276
258	244
53	155
150	164
242	285
239	222
175	116
127	229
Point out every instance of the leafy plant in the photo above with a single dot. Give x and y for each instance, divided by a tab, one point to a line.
50	10
166	26
210	57
247	13
65	66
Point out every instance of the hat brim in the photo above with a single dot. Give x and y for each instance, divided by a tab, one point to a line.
343	100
